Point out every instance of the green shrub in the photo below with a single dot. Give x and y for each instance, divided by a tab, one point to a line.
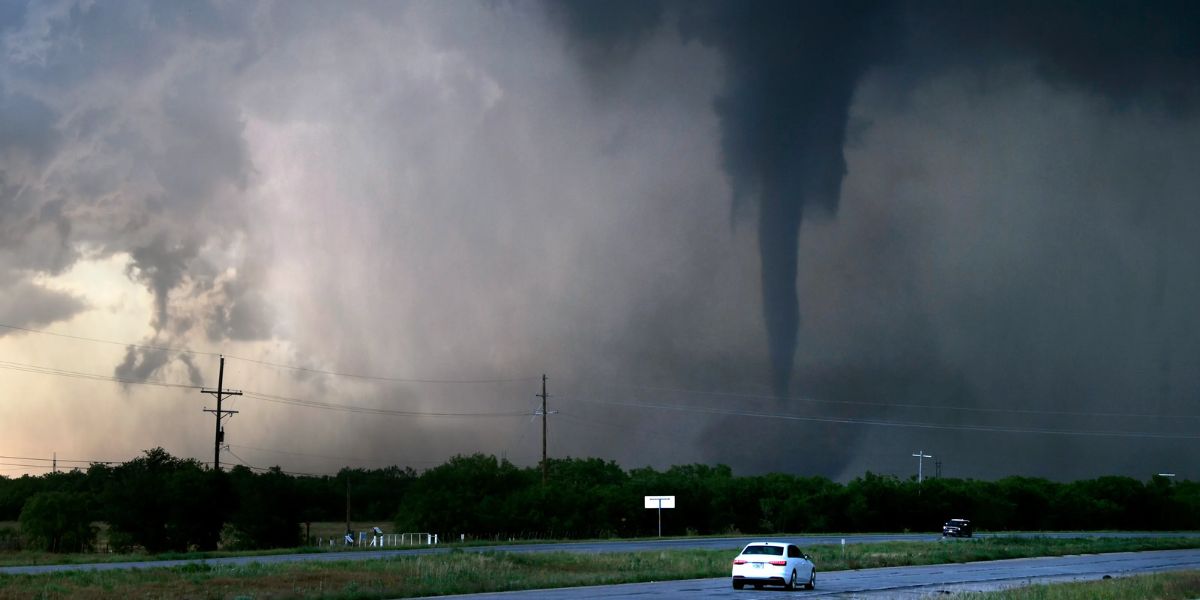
58	522
10	539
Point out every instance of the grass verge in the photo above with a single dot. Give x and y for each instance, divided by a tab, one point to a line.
1161	586
30	557
461	572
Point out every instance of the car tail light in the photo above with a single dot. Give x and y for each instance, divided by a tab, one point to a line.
738	561
779	563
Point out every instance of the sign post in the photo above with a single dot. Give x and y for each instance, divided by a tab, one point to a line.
660	502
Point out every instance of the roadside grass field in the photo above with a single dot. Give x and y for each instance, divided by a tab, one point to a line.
1161	586
326	530
461	572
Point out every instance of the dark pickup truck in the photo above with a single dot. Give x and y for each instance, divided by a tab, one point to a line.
957	528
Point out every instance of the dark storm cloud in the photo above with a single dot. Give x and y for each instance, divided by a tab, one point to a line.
28	140
1129	52
241	314
33	230
792	69
26	304
608	29
26	131
437	190
156	158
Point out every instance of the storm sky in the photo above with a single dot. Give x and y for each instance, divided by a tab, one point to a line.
794	236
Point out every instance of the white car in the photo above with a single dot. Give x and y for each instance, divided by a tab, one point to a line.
773	563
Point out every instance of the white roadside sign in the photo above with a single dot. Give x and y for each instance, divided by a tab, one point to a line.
660	501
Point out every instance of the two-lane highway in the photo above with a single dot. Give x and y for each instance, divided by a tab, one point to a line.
894	582
613	546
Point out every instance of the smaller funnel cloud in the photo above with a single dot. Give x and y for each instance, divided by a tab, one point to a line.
161	267
129	140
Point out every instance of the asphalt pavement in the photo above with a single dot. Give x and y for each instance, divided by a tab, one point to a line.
584	547
903	583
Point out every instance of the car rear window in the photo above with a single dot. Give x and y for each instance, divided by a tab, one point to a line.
771	550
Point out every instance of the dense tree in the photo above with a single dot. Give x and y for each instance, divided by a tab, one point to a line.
162	503
375	493
879	503
587	499
15	492
267	513
58	522
1030	500
469	494
159	502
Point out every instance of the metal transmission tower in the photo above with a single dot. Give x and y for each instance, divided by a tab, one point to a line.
220	393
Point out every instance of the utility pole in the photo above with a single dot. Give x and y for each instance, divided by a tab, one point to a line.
543	396
937	469
55	462
921	456
220	393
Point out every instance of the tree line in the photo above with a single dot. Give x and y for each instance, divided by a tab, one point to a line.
158	503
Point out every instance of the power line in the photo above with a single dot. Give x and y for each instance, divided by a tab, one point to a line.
912	425
240	459
373	410
380	411
297	453
628	427
522	431
47	467
103	462
331	457
744	395
18	466
379	377
185	350
27	368
110	342
267	469
841	420
259	395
